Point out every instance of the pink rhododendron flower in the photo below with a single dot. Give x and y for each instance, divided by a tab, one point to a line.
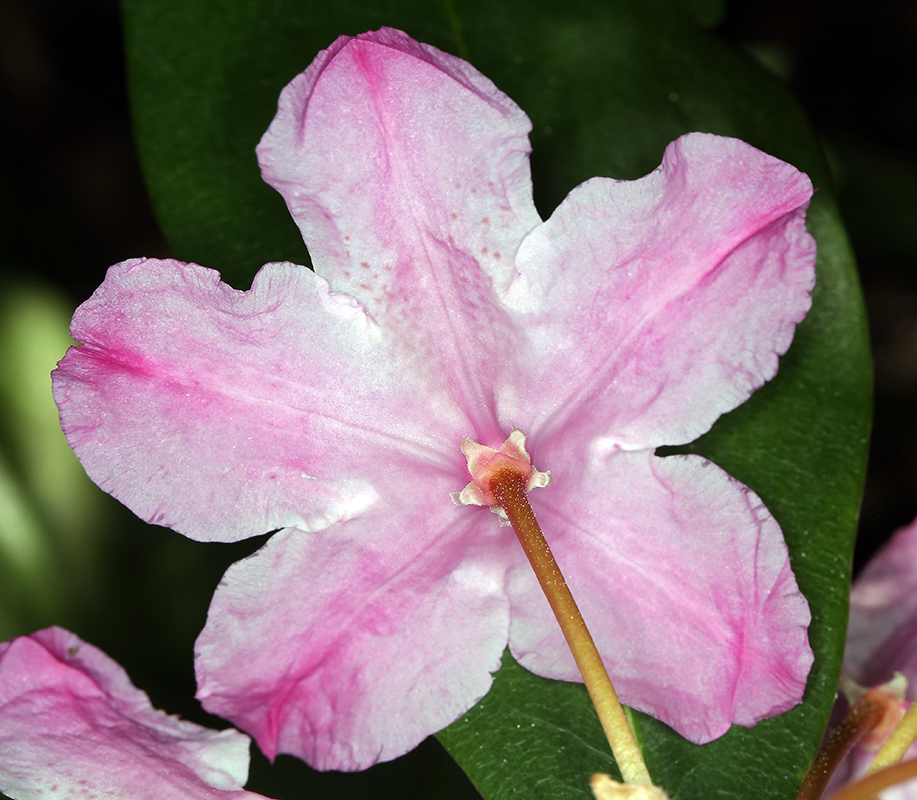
882	641
73	725
333	405
882	632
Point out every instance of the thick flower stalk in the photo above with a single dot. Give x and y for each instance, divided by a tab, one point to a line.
72	725
332	405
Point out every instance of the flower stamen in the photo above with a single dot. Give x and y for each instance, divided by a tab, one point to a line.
898	742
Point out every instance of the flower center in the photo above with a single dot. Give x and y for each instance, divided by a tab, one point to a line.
485	463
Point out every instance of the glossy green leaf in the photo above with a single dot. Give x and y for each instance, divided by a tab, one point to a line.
607	86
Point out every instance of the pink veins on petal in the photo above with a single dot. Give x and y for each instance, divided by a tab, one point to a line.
333	405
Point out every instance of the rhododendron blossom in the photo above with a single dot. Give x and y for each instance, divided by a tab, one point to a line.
882	643
333	405
73	725
882	632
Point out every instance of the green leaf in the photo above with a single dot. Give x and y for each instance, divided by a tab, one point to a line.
607	87
50	517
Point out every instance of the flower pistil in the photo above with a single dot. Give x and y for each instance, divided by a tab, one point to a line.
501	479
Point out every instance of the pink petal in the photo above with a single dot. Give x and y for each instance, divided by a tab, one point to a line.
882	632
225	414
654	306
683	578
73	725
407	173
350	646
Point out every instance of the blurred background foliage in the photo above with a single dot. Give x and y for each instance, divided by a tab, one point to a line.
72	202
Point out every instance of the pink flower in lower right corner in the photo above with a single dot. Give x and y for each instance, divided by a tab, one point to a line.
882	632
882	641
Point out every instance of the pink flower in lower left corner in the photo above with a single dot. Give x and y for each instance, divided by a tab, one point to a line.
73	725
333	405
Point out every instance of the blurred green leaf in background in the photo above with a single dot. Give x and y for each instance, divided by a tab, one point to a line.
49	512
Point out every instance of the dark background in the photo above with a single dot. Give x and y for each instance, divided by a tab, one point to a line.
72	202
853	67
